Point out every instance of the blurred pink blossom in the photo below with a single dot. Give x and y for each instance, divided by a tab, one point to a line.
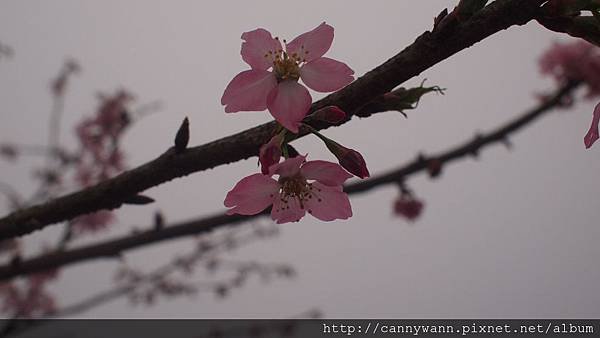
292	194
31	299
580	61
408	206
93	222
99	138
577	60
272	81
100	155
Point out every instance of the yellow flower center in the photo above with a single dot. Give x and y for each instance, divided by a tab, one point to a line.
287	66
296	187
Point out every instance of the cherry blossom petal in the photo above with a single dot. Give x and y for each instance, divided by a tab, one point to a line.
289	167
288	103
315	42
248	91
285	211
326	75
256	45
251	195
327	173
329	203
592	134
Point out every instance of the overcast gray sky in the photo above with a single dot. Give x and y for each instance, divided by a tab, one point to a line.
513	234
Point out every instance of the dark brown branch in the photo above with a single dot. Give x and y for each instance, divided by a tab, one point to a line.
113	248
429	49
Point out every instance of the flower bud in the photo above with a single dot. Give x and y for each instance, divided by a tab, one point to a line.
270	153
330	114
349	159
408	207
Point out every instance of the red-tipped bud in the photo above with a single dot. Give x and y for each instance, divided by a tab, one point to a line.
270	153
330	114
350	159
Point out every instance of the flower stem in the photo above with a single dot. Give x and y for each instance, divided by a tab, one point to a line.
316	133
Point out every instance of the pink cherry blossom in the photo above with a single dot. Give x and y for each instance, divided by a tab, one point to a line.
577	60
272	81
313	186
592	134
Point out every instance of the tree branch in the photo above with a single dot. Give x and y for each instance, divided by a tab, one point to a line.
429	49
114	248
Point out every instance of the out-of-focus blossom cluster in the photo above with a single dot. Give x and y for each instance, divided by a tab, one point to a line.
100	154
96	157
99	137
224	276
576	61
29	299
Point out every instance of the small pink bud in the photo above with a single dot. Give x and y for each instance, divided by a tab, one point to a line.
330	114
408	207
270	153
350	159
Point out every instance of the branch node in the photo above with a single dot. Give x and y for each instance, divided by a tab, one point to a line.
434	167
477	142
